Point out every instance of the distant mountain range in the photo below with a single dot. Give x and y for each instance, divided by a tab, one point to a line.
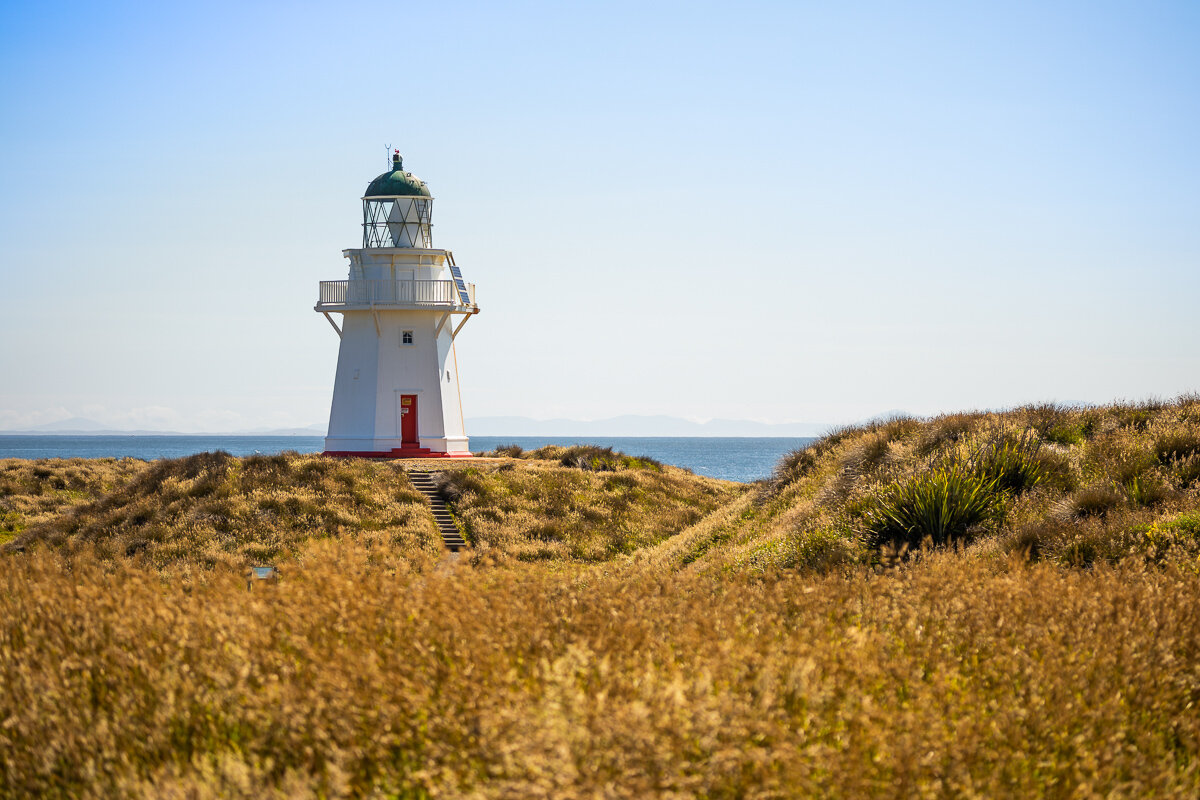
80	426
634	425
626	425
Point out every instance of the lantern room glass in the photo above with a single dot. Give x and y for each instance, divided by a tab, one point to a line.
397	222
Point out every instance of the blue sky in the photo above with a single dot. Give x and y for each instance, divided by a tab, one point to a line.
772	211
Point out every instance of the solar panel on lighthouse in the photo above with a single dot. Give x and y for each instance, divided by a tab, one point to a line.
458	281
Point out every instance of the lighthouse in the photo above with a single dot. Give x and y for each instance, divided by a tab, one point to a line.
396	392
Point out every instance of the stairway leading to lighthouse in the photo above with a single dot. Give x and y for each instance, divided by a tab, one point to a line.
451	535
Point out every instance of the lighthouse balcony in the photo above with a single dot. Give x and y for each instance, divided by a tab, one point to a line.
354	295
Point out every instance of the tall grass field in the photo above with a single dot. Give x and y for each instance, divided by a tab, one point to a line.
975	605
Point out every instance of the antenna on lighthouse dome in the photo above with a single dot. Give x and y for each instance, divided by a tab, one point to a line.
387	149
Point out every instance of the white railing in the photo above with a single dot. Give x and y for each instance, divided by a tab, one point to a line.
392	293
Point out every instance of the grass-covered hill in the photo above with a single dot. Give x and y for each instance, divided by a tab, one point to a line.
979	605
1073	486
577	504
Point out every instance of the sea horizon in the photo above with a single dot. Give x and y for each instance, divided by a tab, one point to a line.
737	458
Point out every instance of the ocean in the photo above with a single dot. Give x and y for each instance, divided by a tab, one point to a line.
730	458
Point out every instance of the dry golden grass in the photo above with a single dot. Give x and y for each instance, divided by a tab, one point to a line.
542	511
754	645
948	677
37	491
212	508
1112	483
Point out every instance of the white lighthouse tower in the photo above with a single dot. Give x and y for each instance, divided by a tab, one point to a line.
396	392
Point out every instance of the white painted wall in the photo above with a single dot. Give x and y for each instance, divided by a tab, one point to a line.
375	367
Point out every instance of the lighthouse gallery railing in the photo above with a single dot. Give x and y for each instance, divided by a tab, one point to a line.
388	292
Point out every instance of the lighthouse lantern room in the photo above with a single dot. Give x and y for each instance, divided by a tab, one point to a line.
396	393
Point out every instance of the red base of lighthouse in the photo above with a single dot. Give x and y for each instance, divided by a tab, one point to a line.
396	452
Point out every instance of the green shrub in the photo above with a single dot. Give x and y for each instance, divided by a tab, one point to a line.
1165	538
942	505
1069	434
11	522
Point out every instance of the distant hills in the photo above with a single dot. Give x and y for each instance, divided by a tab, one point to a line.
626	425
634	425
80	426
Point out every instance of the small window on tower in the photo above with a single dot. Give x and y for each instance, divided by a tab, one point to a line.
406	337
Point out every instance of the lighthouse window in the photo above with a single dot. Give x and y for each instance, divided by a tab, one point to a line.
406	337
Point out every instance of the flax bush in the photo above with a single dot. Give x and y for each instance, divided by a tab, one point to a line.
942	505
1011	462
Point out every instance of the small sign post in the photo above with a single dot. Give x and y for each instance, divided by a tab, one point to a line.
261	574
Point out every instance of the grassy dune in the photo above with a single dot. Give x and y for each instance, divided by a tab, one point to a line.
621	628
1070	486
212	508
578	504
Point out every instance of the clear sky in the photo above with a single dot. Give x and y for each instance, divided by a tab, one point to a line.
775	211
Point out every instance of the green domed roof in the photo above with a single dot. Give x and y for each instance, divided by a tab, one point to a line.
397	182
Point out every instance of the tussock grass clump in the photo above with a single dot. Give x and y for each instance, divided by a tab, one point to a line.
604	459
945	431
1186	471
1057	424
588	457
799	463
1097	500
1178	443
505	451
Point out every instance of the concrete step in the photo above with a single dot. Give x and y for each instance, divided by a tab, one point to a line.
452	537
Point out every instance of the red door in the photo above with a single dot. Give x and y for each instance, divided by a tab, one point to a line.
408	420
